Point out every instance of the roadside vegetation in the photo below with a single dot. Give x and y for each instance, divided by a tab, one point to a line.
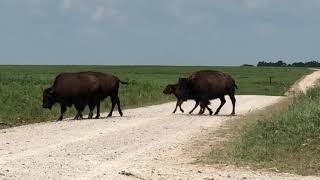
21	86
285	137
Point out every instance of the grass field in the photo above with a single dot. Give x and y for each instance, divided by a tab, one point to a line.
286	138
21	86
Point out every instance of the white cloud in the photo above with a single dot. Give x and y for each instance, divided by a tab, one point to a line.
94	12
67	4
30	2
91	29
79	6
256	3
101	15
33	5
98	14
283	4
191	12
104	13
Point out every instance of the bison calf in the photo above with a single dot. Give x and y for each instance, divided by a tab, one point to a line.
173	89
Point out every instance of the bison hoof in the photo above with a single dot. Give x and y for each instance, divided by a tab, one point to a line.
109	115
97	117
90	116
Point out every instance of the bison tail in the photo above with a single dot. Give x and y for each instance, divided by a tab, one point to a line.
234	84
123	82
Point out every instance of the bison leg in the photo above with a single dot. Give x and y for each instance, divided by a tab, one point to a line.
175	109
178	104
77	115
63	108
181	108
91	108
206	105
119	108
90	115
202	108
223	101
98	110
201	111
209	109
113	101
195	106
92	104
79	108
233	100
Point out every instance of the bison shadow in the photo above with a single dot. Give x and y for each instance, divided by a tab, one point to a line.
85	118
219	115
113	117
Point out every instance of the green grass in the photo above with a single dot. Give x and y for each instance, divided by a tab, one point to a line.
21	86
286	137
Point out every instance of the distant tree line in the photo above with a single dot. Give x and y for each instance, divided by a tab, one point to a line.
283	64
247	65
273	64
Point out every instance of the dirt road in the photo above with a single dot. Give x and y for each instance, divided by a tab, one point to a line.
147	143
304	83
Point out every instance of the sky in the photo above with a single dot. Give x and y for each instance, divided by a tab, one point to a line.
158	32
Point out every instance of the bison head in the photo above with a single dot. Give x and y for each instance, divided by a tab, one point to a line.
48	98
169	89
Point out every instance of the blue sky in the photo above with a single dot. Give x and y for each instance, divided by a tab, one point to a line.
166	32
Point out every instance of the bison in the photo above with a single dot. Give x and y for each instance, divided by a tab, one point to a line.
205	85
173	89
81	89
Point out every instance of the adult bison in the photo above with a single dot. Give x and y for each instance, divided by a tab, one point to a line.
174	89
81	89
205	85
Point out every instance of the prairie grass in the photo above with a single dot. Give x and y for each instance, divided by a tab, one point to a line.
285	137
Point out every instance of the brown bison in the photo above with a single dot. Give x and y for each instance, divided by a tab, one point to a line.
81	89
173	89
206	85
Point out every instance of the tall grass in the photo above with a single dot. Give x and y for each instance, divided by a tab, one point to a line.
21	86
286	138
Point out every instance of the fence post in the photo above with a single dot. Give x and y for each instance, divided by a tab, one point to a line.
270	79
